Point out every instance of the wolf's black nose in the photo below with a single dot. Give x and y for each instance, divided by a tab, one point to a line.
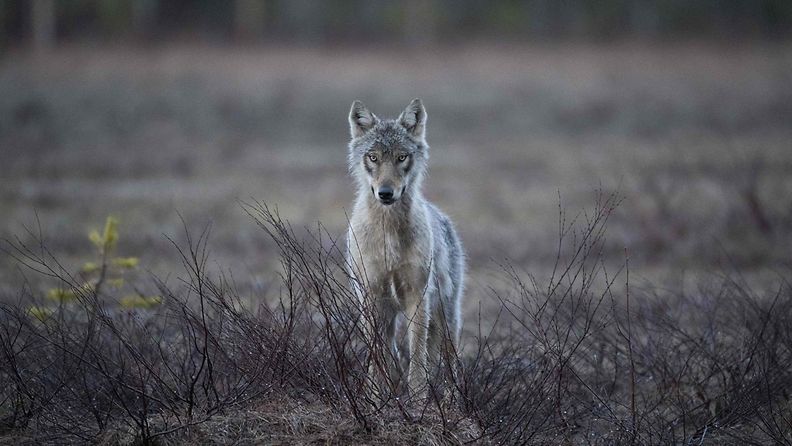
385	193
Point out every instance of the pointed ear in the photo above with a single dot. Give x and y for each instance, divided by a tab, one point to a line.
360	119
413	118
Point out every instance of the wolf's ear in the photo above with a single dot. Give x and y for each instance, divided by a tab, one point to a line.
360	119
413	118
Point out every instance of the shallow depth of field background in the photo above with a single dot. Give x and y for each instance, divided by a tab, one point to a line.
151	110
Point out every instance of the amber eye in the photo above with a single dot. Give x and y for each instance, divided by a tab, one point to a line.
402	158
372	157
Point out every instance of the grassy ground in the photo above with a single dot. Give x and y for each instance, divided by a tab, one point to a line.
694	137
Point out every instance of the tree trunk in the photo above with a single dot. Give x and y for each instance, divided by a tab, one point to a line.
419	26
42	17
144	17
249	18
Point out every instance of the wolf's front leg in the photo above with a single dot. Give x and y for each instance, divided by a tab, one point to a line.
415	297
384	359
417	375
379	325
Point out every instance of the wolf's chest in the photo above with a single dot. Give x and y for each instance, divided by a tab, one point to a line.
385	242
385	251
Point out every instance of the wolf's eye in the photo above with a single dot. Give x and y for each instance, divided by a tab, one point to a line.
402	158
372	157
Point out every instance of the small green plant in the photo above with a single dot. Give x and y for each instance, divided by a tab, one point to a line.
133	301
40	313
105	272
61	295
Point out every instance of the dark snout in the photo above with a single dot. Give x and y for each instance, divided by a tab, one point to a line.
385	194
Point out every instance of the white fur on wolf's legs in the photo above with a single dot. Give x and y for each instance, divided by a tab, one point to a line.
413	289
418	332
442	352
451	355
383	385
380	331
434	345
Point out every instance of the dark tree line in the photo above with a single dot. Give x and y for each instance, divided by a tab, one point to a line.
48	21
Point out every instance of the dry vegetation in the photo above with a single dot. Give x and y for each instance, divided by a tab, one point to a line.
670	327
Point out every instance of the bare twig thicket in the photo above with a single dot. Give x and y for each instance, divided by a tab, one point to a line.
581	357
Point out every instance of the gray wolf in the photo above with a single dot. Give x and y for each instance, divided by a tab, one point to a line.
404	253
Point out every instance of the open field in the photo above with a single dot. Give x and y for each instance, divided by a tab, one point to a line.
684	133
695	138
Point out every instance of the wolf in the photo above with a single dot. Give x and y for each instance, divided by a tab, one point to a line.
405	256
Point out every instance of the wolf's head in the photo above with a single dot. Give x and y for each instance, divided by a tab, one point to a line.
388	157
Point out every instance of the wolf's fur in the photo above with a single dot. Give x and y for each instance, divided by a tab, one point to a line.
406	256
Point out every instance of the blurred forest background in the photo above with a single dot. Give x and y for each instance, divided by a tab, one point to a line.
165	113
412	21
144	108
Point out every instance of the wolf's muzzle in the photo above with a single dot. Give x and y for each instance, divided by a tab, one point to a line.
385	194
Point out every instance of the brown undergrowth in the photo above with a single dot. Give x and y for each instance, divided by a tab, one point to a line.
580	357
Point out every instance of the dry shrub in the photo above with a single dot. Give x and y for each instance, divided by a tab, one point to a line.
580	357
